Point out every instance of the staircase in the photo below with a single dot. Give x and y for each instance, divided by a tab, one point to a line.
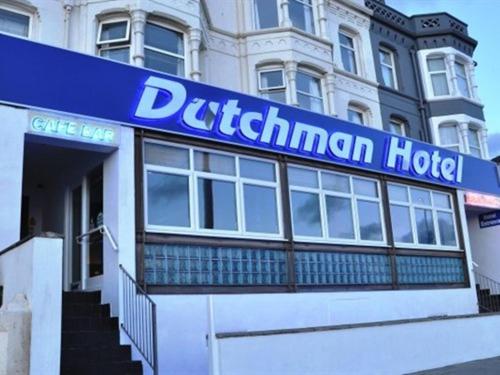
488	293
90	339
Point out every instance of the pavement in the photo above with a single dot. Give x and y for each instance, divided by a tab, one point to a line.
490	366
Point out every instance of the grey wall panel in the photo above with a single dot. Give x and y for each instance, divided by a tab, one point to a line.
455	106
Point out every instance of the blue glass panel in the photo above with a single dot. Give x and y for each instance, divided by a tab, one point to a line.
328	268
216	266
429	270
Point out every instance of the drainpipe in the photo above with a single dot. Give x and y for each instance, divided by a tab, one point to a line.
421	103
68	7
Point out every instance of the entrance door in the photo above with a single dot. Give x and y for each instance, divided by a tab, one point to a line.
86	253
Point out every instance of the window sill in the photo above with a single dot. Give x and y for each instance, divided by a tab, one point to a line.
214	234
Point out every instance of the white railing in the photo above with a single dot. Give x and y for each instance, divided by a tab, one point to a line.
103	229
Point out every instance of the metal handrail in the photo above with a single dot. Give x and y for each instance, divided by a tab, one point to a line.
103	229
139	319
490	299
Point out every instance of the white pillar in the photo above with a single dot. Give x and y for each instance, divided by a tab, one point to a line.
291	76
323	31
138	27
450	62
68	7
285	14
463	128
194	46
330	93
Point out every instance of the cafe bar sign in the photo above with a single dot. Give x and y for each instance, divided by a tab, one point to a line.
95	88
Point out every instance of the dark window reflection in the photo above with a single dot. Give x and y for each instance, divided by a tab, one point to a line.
425	226
306	214
369	221
339	213
260	209
217	204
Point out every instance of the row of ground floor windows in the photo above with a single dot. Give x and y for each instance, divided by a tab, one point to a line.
198	191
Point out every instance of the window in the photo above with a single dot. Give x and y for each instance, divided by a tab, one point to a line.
14	23
439	78
301	14
327	205
388	68
265	13
164	49
200	191
309	92
422	216
272	85
113	40
356	115
474	143
397	127
462	82
348	52
448	137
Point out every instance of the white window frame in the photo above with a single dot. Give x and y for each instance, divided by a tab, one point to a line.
354	49
112	41
21	12
239	182
272	89
322	194
438	72
168	53
361	111
313	13
254	14
391	67
466	78
434	209
450	145
477	130
400	123
321	89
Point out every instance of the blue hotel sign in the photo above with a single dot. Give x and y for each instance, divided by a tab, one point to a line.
43	77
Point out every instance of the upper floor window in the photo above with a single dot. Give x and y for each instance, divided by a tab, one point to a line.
327	205
113	40
462	81
388	67
272	85
309	92
348	52
301	14
474	142
438	75
422	216
14	23
164	49
356	115
265	14
448	136
397	126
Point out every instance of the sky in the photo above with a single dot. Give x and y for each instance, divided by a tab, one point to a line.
481	16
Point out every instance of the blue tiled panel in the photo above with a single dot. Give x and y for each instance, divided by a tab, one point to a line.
321	268
202	265
429	270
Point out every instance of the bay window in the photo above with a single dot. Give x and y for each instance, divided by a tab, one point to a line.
164	49
474	143
438	76
348	52
272	85
422	217
449	138
265	14
301	14
14	23
462	81
113	40
309	93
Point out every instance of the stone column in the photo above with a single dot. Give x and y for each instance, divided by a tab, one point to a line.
463	128
137	44
450	62
285	14
330	93
194	46
291	87
323	30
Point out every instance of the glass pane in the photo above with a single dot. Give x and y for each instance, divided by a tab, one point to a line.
339	213
308	84
435	65
256	169
348	60
306	214
301	15
388	76
163	63
365	187
460	69
310	103
448	135
302	177
164	39
419	196
425	226
441	200
271	79
266	14
217	204
396	128
275	95
116	54
260	209
446	229
355	116
475	152
214	163
439	84
385	57
398	193
113	31
335	182
168	199
472	134
370	225
14	23
167	156
463	86
401	224
346	40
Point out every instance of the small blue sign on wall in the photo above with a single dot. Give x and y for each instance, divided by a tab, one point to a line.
490	219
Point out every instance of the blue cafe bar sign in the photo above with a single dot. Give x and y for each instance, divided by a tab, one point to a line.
37	76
